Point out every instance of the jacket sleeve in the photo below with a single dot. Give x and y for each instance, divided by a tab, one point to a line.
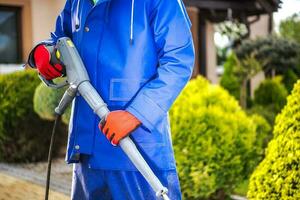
175	50
63	29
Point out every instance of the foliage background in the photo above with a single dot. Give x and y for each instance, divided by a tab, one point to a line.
45	101
216	144
24	137
278	175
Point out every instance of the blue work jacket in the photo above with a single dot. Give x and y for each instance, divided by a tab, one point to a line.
139	55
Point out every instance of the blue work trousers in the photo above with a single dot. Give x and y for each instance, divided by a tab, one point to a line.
94	184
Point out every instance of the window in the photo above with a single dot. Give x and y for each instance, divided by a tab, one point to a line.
10	35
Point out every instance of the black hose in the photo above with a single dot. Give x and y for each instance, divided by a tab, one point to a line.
57	119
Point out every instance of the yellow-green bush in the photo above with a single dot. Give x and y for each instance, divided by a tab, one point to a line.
23	135
45	101
216	144
278	175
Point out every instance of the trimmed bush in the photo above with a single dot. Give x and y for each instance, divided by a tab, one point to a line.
289	79
267	112
45	101
229	80
23	135
237	75
66	116
214	141
278	175
263	130
271	92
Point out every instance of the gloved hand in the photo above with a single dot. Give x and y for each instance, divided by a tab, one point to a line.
118	124
42	57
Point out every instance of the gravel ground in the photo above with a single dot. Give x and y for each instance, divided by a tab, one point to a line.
27	181
12	188
61	176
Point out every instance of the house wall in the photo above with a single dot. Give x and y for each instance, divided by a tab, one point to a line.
44	14
211	54
37	20
39	16
203	41
258	29
26	22
193	13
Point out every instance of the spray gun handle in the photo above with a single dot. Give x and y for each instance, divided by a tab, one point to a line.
51	84
95	101
139	162
66	100
55	59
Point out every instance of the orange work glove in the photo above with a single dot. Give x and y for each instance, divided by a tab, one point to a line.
118	124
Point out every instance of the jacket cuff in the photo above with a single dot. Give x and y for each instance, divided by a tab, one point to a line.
147	111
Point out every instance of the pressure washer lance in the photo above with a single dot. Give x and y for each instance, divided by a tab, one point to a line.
78	81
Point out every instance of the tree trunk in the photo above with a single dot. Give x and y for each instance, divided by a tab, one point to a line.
273	73
243	94
220	195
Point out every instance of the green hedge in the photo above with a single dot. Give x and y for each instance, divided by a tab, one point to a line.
45	101
278	175
23	135
267	112
271	92
289	79
216	144
229	80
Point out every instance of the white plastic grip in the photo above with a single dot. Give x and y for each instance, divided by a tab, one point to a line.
94	100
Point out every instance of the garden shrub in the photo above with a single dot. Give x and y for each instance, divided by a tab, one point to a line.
263	130
267	112
229	81
214	140
23	135
290	27
278	175
278	53
237	75
45	101
289	79
271	92
279	56
66	116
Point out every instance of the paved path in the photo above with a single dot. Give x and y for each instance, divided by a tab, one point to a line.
27	181
12	188
61	176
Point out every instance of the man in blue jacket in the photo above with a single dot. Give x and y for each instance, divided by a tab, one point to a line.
139	55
